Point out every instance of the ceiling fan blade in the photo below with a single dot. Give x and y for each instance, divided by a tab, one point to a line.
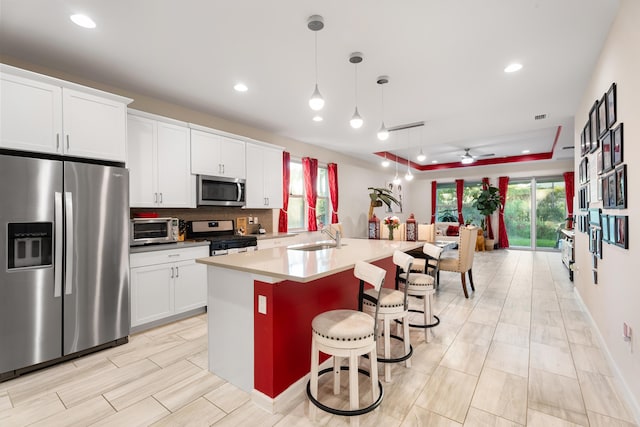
485	155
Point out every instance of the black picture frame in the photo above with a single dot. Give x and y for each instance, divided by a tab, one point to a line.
585	144
622	232
594	217
599	164
602	116
583	173
616	145
607	164
605	228
592	240
612	190
604	185
611	105
621	187
593	126
612	229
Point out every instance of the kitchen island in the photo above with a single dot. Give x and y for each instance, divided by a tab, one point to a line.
261	304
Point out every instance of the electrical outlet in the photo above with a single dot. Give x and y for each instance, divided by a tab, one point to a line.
262	304
626	332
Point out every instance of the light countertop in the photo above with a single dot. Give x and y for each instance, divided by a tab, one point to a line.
305	266
269	236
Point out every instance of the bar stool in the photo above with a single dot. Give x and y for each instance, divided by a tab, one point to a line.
422	285
392	305
347	333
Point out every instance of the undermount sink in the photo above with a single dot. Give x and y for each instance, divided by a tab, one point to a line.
314	246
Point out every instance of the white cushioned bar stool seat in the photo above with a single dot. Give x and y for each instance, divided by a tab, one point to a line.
423	286
392	305
350	334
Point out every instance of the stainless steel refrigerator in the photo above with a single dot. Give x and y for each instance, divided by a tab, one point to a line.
64	259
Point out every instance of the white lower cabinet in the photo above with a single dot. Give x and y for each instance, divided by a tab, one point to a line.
167	282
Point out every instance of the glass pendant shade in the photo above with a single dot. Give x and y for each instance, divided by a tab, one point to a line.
421	157
356	121
397	180
385	163
317	101
408	176
467	160
383	133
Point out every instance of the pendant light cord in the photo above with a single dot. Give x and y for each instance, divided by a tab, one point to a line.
315	33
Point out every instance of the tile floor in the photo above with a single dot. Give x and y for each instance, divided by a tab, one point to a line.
519	352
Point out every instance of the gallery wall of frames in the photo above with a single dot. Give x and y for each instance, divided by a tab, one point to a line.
603	188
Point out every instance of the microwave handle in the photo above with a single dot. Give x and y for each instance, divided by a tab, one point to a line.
239	191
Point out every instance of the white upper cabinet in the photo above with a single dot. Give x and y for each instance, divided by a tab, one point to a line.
217	155
47	115
264	177
159	164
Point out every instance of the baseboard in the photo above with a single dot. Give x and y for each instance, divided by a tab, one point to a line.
633	405
288	399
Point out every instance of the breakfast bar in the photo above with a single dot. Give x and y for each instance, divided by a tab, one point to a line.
261	304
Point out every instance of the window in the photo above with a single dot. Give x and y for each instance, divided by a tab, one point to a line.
297	198
446	202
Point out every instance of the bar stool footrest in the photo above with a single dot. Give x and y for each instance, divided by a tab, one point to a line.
431	325
345	412
398	359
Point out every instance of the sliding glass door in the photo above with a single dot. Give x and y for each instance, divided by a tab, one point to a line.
535	211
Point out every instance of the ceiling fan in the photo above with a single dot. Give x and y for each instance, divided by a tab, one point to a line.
467	158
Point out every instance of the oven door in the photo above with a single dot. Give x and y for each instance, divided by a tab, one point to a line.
152	230
217	191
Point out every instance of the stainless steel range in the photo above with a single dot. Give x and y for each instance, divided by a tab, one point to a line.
221	235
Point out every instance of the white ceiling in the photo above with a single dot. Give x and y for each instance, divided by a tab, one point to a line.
444	58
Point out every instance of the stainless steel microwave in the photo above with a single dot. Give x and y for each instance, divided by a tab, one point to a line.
219	191
145	231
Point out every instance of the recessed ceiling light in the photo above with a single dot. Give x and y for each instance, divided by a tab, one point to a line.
241	87
83	20
434	161
513	67
317	118
526	151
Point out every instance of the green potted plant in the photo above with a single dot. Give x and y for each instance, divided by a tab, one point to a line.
378	196
487	202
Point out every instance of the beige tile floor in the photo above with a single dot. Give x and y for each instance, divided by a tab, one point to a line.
519	352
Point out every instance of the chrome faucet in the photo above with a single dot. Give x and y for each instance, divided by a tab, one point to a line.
335	237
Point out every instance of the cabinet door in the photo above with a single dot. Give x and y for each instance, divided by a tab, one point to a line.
190	290
151	293
30	114
232	155
272	160
142	165
175	184
205	153
254	186
94	127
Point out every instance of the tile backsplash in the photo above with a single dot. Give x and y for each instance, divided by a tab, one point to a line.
265	216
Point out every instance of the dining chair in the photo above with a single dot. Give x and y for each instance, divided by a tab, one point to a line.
463	263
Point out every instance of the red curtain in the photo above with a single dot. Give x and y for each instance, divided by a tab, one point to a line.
332	172
283	221
310	171
459	195
570	192
503	186
485	185
434	194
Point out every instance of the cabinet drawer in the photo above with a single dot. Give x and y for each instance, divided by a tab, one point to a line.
170	255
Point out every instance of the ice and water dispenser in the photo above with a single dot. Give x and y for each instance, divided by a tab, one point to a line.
30	244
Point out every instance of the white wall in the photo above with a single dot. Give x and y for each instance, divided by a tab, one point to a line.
616	297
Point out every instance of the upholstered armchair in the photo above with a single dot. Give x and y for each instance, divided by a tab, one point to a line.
427	233
464	261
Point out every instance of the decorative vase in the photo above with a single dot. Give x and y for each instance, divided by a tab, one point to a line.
390	233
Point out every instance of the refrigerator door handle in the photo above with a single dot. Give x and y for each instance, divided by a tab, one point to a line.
58	221
68	277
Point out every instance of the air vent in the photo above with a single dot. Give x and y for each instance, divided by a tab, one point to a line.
540	117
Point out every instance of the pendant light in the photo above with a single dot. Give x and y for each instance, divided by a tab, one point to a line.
385	163
383	133
316	23
421	157
408	176
356	120
396	179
